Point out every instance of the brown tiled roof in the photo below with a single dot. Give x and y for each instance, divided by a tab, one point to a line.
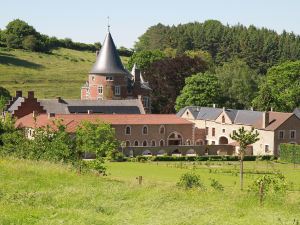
73	120
275	120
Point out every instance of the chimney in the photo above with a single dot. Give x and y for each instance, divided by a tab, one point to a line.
140	97
30	94
18	94
90	111
271	109
59	99
214	105
51	115
224	109
136	73
266	119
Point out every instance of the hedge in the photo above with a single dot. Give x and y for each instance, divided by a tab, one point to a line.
290	153
200	158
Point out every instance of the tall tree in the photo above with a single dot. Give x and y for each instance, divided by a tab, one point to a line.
4	97
166	78
201	89
244	138
281	88
145	58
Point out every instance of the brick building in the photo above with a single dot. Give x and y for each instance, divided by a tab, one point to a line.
109	80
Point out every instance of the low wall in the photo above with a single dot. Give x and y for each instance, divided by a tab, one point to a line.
182	150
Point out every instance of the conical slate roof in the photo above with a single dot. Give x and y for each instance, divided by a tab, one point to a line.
108	60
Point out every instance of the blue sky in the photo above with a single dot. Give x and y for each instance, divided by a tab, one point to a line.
85	20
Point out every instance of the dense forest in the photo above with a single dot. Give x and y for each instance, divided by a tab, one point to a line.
245	66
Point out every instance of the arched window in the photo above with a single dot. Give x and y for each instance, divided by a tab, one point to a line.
127	143
144	143
136	143
128	130
162	129
161	143
145	130
153	143
223	119
188	142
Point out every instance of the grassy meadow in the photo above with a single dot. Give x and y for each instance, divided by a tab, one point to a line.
45	193
59	73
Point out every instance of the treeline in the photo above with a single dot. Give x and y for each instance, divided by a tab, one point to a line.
20	35
260	48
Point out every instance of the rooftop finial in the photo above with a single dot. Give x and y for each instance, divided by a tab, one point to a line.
108	26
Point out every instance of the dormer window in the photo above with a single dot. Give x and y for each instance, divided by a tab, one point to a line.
109	78
223	119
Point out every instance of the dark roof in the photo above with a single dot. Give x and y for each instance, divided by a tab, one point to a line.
108	60
247	117
297	112
69	106
207	113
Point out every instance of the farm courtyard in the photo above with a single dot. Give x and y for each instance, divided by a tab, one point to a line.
45	193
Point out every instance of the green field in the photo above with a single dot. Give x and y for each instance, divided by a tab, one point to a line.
60	73
44	193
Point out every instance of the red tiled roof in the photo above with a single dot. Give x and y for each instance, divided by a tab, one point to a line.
73	120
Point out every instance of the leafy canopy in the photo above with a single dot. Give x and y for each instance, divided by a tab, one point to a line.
244	138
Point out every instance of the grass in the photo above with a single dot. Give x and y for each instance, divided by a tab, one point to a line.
45	193
60	73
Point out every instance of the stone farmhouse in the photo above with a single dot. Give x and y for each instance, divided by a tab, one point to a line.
218	123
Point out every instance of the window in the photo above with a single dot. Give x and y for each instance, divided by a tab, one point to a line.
109	78
292	134
162	129
213	142
281	134
136	143
128	130
88	92
93	78
145	130
223	119
223	130
100	90
127	143
213	132
206	130
117	90
199	142
146	101
161	143
266	148
144	143
153	143
188	142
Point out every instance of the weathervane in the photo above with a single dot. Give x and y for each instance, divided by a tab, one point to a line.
108	26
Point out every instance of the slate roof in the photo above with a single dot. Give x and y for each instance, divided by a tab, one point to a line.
73	120
297	112
108	60
243	117
69	106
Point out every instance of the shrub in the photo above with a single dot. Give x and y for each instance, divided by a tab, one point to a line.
190	180
290	153
216	185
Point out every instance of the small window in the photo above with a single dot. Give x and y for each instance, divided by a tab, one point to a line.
100	90
146	101
109	78
144	143
145	130
281	134
153	143
162	129
93	78
161	143
223	119
292	134
213	142
117	90
206	130
127	143
266	148
128	130
213	132
136	143
188	142
223	130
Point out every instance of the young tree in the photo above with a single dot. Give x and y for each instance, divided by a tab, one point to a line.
98	138
201	89
244	138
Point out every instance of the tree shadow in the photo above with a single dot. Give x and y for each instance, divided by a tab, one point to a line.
7	59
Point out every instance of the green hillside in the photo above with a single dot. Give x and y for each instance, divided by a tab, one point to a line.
61	73
45	193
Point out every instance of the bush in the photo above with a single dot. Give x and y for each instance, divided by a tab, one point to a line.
216	185
290	153
190	180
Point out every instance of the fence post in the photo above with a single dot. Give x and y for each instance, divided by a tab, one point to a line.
261	193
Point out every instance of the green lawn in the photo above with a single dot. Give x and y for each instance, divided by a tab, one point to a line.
44	193
61	73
